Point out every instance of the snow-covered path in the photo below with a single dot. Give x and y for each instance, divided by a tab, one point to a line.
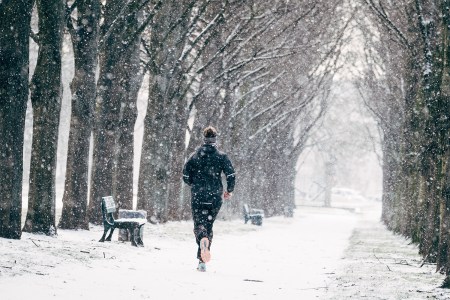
380	265
283	259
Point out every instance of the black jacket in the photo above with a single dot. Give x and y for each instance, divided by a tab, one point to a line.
203	171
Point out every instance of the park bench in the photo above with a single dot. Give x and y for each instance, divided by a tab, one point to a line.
134	226
255	216
124	234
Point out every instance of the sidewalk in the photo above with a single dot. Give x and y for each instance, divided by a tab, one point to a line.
381	265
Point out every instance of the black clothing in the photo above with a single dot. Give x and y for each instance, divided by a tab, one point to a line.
203	224
203	172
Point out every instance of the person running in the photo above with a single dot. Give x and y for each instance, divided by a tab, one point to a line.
203	172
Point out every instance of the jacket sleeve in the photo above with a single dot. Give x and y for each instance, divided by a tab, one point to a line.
187	171
229	173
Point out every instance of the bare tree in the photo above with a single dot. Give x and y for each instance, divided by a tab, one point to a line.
258	118
46	92
415	142
15	30
165	123
84	40
117	87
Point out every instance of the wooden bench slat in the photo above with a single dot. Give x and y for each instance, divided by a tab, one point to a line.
139	221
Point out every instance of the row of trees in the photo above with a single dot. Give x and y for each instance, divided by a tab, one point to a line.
408	89
258	71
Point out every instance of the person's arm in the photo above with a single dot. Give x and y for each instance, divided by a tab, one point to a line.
230	175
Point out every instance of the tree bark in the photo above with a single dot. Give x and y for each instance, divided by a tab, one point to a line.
115	111
163	148
131	79
46	93
84	41
15	29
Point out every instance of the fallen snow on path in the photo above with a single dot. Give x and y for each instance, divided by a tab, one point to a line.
286	258
381	265
321	253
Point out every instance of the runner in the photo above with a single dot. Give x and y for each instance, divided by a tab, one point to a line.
202	172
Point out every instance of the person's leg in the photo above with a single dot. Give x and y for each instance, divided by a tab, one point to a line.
203	229
205	241
204	217
212	215
200	230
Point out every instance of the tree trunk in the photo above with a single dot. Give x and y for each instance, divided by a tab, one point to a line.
85	41
115	112
152	172
46	92
163	148
131	79
15	20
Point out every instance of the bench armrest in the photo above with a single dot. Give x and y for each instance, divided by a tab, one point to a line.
109	222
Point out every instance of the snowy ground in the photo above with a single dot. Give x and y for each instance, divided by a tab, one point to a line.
381	265
319	254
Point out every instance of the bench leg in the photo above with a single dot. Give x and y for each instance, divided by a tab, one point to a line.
257	220
105	231
138	238
110	234
133	236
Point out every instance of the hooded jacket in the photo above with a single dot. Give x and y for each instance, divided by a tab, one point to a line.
203	171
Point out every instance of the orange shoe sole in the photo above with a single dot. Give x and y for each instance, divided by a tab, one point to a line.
205	254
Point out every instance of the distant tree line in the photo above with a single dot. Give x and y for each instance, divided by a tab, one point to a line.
259	71
407	86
